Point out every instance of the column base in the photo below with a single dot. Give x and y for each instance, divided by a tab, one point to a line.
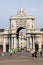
4	50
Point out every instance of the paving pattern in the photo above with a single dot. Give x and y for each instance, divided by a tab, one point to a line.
20	60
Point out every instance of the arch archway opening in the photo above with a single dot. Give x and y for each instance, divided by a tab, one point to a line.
20	32
7	48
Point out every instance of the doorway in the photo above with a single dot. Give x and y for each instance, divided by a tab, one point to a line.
36	46
1	47
7	48
20	32
42	47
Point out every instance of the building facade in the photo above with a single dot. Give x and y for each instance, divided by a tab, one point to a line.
13	38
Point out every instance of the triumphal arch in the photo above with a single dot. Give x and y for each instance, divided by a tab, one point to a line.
17	39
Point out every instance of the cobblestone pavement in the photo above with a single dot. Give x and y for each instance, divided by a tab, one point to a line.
20	60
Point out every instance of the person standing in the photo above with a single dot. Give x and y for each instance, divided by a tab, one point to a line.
10	52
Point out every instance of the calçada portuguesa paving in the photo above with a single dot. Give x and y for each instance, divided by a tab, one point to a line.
18	59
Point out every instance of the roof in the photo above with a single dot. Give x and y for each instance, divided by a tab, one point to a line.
1	30
41	29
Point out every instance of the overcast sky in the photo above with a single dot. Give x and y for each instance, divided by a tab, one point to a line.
32	7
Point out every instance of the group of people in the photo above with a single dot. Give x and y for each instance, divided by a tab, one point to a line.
34	53
11	52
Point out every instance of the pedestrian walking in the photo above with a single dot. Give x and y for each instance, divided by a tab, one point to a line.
35	54
10	52
40	53
32	52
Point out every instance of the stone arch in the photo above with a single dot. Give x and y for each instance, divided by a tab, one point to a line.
23	21
20	28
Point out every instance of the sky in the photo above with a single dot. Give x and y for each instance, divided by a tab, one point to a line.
32	7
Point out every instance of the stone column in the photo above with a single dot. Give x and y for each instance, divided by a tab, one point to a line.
27	44
38	41
9	44
32	37
30	43
15	42
12	42
33	43
4	45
